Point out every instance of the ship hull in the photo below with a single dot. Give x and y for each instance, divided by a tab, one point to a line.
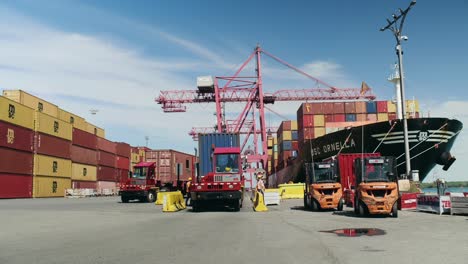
430	140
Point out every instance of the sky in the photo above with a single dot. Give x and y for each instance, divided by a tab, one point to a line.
115	57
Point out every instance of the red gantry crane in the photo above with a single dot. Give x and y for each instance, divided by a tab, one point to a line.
249	90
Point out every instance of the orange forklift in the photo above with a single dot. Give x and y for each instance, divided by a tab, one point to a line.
322	188
376	186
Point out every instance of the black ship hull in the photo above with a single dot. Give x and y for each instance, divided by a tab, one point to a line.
430	141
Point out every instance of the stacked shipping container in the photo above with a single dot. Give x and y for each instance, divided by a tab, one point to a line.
172	167
287	142
123	153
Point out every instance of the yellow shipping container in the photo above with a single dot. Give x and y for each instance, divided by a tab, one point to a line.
76	121
135	158
52	126
15	113
90	128
52	166
50	186
293	125
275	141
286	136
142	153
319	120
275	155
270	152
319	131
270	142
81	172
391	107
382	117
32	101
412	106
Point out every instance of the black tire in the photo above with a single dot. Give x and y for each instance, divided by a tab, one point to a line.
356	208
150	197
195	206
340	205
124	199
306	206
395	210
236	205
363	210
315	205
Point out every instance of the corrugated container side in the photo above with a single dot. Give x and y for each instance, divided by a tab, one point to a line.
15	113
74	120
205	142
392	116
412	106
52	166
286	135
15	186
286	145
53	126
382	107
15	137
83	184
329	118
371	107
123	149
16	162
345	165
294	135
121	175
338	108
97	131
319	131
82	172
361	107
106	159
83	155
106	145
186	161
123	163
382	117
286	125
327	108
391	107
32	101
293	125
371	117
84	139
350	107
339	118
350	118
50	186
106	185
105	173
319	120
310	108
361	117
52	146
295	145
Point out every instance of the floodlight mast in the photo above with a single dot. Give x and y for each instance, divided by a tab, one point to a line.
397	30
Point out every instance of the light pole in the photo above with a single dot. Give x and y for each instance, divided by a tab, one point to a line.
396	30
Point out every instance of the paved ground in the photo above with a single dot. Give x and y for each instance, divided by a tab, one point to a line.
102	230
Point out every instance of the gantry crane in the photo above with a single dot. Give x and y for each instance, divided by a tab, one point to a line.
249	90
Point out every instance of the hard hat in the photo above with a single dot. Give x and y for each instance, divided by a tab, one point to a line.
190	178
259	176
227	169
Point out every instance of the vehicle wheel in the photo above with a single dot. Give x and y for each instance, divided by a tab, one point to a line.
315	205
195	206
362	210
150	197
306	206
340	205
236	205
356	208
124	199
395	210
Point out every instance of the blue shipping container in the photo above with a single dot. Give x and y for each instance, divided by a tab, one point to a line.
205	146
287	145
350	117
294	135
371	107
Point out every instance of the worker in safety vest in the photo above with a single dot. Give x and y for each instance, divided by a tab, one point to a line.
187	190
260	185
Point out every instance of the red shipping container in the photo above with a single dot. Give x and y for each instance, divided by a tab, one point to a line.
328	118
83	155
285	126
106	159
16	161
84	139
16	137
308	121
52	146
327	108
392	116
350	107
338	108
106	145
339	118
382	107
15	186
123	163
310	108
121	175
295	145
134	150
84	185
123	149
105	173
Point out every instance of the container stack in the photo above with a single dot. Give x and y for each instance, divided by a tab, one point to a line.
123	154
288	145
84	158
107	161
172	167
135	157
16	149
311	120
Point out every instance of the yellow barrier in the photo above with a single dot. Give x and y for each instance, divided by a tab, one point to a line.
173	202
160	198
259	204
292	190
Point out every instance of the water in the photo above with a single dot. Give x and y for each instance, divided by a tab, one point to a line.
451	189
356	232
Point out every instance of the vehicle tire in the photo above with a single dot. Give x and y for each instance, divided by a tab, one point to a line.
306	206
195	206
363	210
395	210
356	208
340	205
315	206
124	199
151	197
236	205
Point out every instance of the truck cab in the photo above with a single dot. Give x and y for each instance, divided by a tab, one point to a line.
141	184
323	189
224	185
376	186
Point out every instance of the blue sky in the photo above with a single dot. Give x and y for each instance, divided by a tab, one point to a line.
115	56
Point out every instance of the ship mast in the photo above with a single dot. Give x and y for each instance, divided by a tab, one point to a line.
395	79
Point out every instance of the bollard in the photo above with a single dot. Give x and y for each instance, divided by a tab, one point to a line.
173	202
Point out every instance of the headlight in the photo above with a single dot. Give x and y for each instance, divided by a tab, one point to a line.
231	186
198	187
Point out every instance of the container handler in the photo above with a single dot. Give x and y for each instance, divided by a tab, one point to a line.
224	184
141	184
323	189
376	186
